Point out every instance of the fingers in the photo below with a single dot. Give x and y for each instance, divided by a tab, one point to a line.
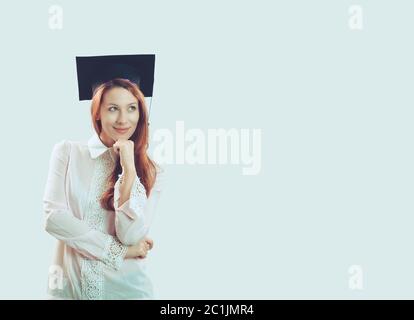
115	146
150	242
121	143
144	247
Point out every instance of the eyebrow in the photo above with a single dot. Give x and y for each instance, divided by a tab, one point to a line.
114	104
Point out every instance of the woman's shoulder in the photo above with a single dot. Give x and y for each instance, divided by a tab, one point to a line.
66	146
62	147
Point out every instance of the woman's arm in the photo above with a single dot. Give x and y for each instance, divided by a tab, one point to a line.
134	216
63	225
126	185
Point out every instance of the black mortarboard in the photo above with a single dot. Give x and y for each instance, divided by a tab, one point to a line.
95	70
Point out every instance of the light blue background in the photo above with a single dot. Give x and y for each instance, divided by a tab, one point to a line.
335	108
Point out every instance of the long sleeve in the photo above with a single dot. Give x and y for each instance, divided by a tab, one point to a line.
63	225
134	218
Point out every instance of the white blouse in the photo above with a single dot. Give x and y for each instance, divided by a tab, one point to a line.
92	242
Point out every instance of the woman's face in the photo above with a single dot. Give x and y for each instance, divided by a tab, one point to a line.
119	110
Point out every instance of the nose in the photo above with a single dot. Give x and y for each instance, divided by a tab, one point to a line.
122	119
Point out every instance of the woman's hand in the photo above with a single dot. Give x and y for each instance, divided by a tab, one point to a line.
150	242
125	149
140	249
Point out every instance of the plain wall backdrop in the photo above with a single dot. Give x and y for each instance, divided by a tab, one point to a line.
335	110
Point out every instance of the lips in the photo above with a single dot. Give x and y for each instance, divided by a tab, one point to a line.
121	130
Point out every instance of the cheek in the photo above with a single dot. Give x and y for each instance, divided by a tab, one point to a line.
107	122
134	120
108	119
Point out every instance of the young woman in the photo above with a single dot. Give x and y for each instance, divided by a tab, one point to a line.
100	200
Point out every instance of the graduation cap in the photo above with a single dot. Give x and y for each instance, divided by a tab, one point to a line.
93	71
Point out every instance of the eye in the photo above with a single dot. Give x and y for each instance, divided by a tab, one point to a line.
112	108
133	107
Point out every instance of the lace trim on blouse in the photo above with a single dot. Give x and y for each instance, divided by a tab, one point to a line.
92	277
138	196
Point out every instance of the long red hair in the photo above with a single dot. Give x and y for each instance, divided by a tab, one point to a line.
145	167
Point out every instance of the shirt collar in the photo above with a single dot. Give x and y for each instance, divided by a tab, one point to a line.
97	147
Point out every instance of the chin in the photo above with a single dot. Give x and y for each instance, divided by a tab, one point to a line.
122	135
